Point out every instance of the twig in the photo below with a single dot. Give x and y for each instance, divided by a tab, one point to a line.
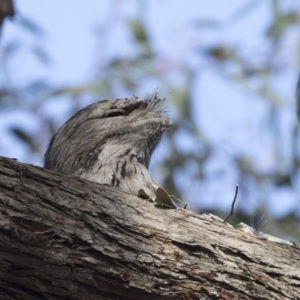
233	202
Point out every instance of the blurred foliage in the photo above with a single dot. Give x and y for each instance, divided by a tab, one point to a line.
126	73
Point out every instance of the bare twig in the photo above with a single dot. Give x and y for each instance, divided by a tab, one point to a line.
233	202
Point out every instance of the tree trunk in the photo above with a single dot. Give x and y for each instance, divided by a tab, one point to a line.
63	237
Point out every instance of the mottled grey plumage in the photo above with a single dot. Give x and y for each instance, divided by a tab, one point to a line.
111	142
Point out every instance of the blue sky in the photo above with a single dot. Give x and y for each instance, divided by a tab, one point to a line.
72	56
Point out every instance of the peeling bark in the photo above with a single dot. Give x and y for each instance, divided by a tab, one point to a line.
63	237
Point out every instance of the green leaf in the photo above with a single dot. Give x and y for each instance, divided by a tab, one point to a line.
31	26
243	11
141	37
41	54
139	32
24	137
221	53
207	23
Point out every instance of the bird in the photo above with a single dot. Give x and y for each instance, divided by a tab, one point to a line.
111	142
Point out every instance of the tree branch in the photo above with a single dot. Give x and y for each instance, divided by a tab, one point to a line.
67	238
6	10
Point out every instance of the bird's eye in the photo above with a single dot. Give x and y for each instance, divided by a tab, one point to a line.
115	114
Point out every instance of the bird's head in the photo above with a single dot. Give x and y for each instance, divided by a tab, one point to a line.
106	130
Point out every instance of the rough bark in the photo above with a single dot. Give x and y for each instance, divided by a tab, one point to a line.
63	237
